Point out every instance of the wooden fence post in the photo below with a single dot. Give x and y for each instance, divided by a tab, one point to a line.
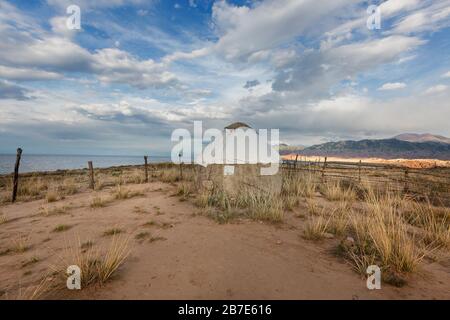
359	171
181	166
324	167
146	168
406	180
181	170
16	174
296	159
91	175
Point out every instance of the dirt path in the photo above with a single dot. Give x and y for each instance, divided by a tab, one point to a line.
191	256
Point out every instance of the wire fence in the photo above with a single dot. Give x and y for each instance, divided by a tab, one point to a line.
429	183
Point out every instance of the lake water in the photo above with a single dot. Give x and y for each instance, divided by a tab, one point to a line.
32	163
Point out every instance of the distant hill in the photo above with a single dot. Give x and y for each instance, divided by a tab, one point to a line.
426	137
384	148
287	149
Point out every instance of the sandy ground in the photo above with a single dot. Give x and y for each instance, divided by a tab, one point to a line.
410	163
193	257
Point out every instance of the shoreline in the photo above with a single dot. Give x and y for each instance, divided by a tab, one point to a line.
58	172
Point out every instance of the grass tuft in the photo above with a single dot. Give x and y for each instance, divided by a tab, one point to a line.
62	228
96	267
316	228
112	232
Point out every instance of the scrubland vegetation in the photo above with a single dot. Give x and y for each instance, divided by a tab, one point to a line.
364	224
368	225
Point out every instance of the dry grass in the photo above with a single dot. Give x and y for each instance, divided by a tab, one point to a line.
157	238
218	198
35	292
297	184
87	244
170	175
266	207
220	216
290	202
337	226
134	176
202	199
99	202
435	222
122	193
21	244
313	208
316	228
96	267
33	187
68	187
3	218
62	228
30	262
258	204
51	196
382	233
184	190
149	223
142	235
336	191
112	232
46	211
308	186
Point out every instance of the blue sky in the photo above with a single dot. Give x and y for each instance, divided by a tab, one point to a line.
137	70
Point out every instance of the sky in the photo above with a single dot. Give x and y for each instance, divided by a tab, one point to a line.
136	70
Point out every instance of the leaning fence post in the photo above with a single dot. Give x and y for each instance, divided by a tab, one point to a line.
91	175
146	169
296	159
16	174
324	167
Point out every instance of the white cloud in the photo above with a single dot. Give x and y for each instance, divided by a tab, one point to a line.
440	88
407	58
316	71
59	27
89	4
114	65
9	90
446	75
306	86
245	31
392	86
432	16
27	74
142	12
392	7
46	55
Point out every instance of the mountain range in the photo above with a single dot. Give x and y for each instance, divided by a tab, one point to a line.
408	146
425	137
